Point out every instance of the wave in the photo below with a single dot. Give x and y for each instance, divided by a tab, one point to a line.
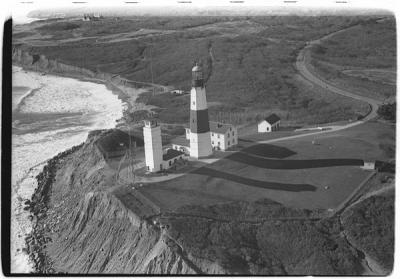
55	115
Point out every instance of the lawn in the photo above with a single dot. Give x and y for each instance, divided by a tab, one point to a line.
295	173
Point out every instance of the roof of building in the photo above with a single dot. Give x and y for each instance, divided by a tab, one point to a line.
219	128
181	141
171	154
272	119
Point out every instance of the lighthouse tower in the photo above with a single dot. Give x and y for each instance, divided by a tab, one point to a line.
152	146
200	140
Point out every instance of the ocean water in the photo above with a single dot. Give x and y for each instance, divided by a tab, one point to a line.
50	115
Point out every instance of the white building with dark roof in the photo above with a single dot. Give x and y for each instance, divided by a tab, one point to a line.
171	157
269	124
223	136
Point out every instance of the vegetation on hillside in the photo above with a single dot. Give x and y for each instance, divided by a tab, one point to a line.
388	111
230	235
362	58
370	225
248	61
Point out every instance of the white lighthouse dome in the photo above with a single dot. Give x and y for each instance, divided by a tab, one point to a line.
196	68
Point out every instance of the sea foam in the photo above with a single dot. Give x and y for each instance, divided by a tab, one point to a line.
56	114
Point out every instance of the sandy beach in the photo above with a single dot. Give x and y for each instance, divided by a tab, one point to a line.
50	114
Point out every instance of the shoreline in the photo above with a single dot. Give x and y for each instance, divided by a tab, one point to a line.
21	98
21	101
124	92
37	208
25	207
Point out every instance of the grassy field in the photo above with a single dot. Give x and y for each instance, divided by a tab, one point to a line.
345	59
295	173
248	61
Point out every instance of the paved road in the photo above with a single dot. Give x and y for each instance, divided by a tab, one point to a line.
301	65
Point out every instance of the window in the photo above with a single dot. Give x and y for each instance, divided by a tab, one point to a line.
218	136
228	135
267	128
233	141
194	103
212	142
230	129
233	133
219	143
229	143
169	163
212	134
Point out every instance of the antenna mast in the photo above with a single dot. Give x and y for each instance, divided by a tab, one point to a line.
151	67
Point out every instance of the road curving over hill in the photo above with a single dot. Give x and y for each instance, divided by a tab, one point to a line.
302	64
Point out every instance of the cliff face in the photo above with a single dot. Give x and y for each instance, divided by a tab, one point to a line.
39	62
85	222
90	230
103	237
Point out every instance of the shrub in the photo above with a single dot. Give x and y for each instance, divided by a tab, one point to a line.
388	111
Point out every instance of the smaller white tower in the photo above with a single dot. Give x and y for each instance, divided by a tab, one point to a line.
152	146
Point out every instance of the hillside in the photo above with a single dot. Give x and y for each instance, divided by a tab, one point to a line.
86	223
361	58
248	61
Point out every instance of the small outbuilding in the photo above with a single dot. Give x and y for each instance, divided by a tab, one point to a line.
178	92
269	124
181	144
171	157
368	165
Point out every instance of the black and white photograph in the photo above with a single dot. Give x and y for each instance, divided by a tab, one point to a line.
234	138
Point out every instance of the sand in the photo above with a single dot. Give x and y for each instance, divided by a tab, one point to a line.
85	106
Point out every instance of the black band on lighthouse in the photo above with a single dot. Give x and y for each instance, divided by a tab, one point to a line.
199	121
198	83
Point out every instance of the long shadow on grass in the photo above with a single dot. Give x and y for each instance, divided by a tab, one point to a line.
291	164
256	183
269	150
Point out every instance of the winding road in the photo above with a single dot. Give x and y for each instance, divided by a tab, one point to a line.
301	65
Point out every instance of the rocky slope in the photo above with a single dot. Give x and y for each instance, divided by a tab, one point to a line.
81	226
86	223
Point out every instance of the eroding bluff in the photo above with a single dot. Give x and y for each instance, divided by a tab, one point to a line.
85	222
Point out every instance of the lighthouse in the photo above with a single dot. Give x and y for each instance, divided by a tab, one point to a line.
153	146
200	140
